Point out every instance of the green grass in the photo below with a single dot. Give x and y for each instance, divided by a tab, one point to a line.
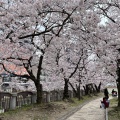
114	111
17	110
83	99
47	110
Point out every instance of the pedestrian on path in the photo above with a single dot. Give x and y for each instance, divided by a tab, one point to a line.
104	103
106	93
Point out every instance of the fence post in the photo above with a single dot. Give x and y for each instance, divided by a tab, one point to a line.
71	92
48	97
13	101
34	97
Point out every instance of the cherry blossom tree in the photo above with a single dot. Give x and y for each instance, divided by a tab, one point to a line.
71	57
27	28
57	38
108	47
103	43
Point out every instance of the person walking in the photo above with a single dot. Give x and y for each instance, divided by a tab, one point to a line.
106	93
104	103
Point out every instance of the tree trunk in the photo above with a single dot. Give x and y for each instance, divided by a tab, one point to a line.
39	92
78	91
99	87
65	93
97	90
86	89
74	90
118	81
118	87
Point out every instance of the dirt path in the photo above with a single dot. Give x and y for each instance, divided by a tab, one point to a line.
90	111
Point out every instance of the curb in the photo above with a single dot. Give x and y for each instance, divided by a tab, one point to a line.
106	114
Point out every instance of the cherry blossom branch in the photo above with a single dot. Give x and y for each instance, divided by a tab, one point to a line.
24	76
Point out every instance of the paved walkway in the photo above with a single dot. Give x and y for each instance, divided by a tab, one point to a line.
90	111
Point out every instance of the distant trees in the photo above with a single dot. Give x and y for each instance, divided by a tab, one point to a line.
109	10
